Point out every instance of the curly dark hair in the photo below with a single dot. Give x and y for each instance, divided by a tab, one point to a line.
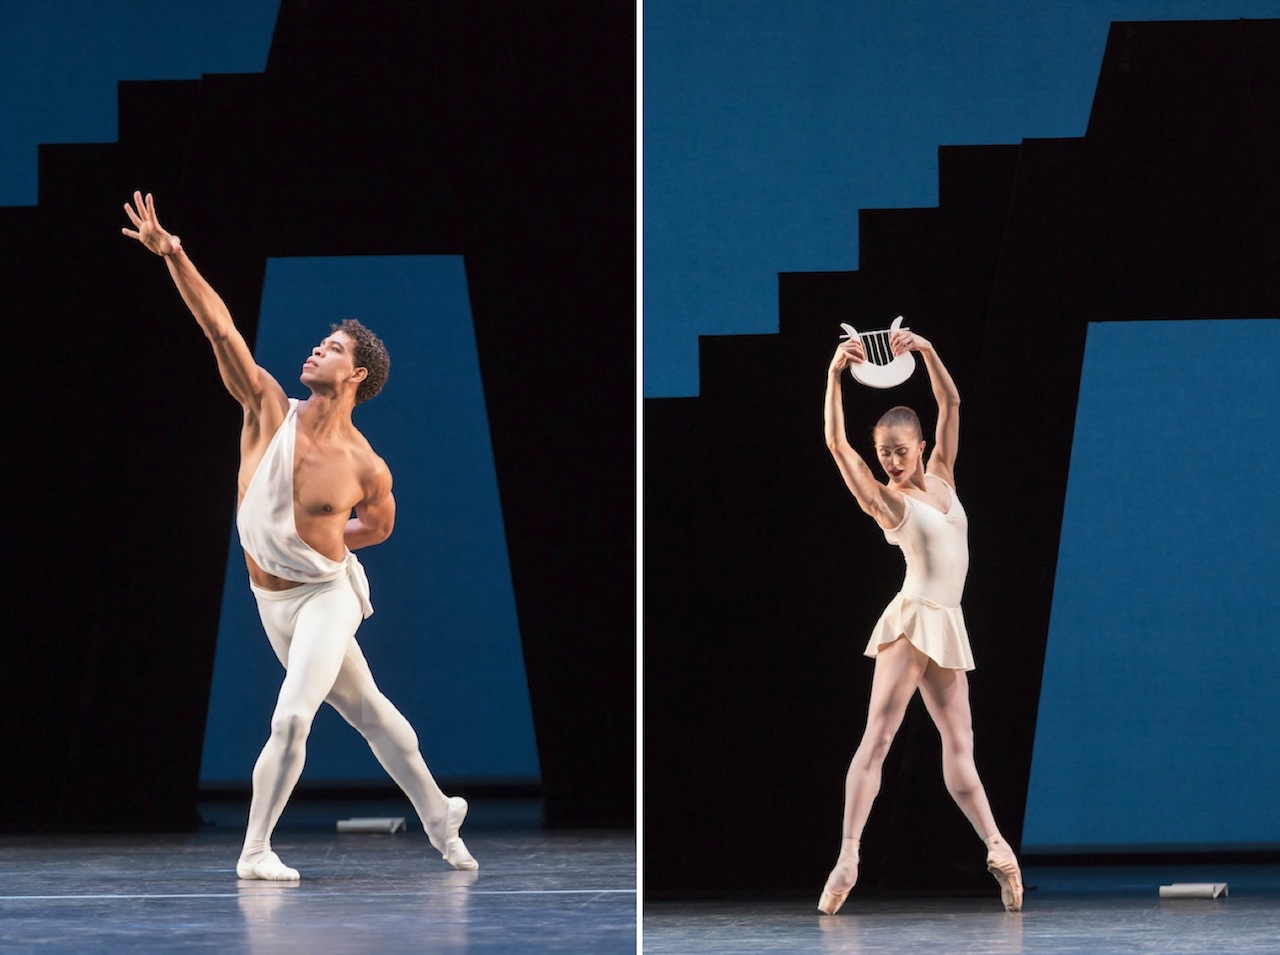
370	353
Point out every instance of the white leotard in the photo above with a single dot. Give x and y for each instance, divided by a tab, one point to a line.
935	545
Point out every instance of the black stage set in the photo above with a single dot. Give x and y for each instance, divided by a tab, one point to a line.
504	133
1168	208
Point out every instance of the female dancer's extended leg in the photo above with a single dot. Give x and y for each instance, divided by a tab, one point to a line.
946	697
899	668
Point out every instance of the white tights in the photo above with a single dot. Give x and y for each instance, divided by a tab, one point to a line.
312	631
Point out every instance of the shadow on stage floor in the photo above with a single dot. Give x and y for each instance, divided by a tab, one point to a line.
537	890
1068	910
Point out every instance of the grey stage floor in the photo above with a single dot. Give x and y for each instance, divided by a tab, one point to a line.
537	890
1071	911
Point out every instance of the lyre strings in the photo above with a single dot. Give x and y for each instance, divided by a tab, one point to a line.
876	345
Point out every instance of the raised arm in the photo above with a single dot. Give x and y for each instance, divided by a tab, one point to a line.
946	441
240	373
376	514
883	505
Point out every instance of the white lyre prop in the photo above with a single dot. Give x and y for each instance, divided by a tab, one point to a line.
882	369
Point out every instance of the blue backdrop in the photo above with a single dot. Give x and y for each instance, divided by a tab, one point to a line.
444	642
767	127
60	61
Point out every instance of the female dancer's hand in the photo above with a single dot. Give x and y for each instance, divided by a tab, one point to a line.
903	341
848	353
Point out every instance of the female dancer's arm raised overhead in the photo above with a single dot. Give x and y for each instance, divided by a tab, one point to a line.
920	641
882	501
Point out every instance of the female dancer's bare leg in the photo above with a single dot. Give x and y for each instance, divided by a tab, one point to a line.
899	667
946	697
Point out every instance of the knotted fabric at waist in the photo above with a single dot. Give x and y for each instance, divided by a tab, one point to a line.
351	569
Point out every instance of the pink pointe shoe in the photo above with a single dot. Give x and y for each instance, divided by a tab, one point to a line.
1002	864
845	871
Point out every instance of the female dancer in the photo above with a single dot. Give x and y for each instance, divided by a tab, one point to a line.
920	641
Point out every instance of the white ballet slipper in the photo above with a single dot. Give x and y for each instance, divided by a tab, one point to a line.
269	868
450	845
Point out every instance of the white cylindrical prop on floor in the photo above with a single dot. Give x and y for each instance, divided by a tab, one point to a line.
1194	890
372	824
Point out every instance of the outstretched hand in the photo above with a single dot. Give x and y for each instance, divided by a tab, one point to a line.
848	353
148	229
903	341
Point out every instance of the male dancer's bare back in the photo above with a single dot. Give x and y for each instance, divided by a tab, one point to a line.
342	501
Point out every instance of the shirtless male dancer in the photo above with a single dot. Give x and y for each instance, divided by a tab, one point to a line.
304	470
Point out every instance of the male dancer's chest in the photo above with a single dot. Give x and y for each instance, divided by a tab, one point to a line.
325	480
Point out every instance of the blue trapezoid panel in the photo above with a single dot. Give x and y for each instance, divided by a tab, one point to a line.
444	643
1155	724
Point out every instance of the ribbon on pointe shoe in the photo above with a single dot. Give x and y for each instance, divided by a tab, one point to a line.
1003	864
829	901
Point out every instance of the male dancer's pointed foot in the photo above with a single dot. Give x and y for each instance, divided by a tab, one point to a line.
267	867
842	878
450	845
1002	864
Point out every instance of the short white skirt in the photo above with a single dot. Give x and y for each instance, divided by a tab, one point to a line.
936	631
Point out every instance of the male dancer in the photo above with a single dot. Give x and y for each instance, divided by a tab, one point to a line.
304	470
